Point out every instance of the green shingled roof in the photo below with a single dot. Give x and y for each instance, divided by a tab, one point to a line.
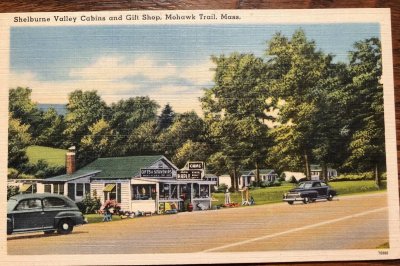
121	167
77	174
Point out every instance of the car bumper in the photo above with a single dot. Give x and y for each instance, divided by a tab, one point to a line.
293	199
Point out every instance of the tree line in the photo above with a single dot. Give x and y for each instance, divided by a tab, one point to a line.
289	108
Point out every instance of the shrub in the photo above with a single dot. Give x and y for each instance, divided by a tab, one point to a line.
357	177
89	204
12	191
293	180
276	183
254	184
222	188
263	184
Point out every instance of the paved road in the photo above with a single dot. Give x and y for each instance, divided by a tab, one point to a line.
351	222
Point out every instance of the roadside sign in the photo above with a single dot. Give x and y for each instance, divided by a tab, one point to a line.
189	174
153	172
195	165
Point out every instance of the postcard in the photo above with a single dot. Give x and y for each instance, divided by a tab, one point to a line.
198	137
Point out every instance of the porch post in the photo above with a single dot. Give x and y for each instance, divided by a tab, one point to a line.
157	207
191	193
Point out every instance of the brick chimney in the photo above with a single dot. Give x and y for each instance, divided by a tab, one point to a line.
70	161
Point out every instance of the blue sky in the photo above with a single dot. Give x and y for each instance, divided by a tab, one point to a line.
168	63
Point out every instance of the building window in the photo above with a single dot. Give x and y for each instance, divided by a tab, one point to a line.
58	189
204	191
164	191
79	189
112	191
143	192
47	188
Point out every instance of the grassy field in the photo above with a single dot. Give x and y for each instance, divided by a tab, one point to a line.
54	157
274	194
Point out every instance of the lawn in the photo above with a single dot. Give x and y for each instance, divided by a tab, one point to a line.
97	218
54	157
274	194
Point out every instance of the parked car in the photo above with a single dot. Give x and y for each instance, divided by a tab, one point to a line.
42	212
310	191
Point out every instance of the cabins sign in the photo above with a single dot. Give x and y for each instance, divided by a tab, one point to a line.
154	172
195	165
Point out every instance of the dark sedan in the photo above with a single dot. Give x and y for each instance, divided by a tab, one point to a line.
42	212
309	191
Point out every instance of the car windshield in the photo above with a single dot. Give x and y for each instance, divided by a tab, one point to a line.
305	185
11	204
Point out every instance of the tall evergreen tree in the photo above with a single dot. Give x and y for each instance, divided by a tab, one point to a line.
166	118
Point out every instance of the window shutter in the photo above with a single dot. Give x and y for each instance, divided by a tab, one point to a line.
119	192
87	188
71	191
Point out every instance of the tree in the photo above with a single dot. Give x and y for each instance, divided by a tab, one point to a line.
126	115
142	139
297	70
53	128
332	118
22	108
191	151
99	142
367	146
19	139
166	118
284	149
236	108
83	110
186	126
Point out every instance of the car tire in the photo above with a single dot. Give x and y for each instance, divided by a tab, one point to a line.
65	226
49	232
290	202
330	197
306	200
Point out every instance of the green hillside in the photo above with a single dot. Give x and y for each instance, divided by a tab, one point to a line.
54	157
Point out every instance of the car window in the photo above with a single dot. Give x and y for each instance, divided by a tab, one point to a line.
29	204
323	184
11	204
316	184
305	185
53	202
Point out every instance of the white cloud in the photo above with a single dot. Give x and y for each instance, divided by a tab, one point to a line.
116	78
118	67
57	91
179	97
200	74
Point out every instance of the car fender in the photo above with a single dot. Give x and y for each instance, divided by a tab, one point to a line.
74	216
10	222
332	192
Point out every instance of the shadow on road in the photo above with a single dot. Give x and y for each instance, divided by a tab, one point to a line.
39	235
